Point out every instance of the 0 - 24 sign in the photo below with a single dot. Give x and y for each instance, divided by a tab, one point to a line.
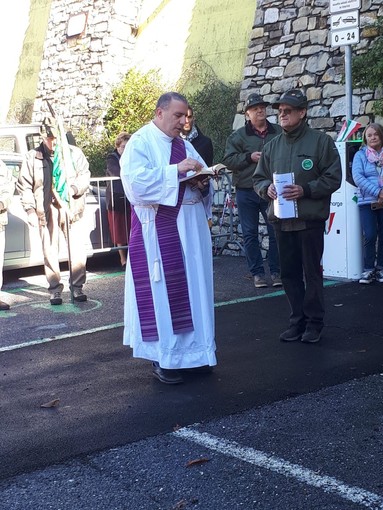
345	36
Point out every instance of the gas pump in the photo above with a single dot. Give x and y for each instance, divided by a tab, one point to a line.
342	257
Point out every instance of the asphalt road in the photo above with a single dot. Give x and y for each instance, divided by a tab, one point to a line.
275	426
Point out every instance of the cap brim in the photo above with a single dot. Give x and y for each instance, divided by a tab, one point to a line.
263	103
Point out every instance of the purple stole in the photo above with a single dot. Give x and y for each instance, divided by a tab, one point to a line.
172	262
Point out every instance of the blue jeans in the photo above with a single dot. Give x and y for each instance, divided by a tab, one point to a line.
372	226
249	206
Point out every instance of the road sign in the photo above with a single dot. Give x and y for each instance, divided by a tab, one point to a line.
348	19
345	36
343	5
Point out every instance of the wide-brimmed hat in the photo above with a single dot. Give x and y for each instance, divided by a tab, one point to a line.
48	128
294	97
254	100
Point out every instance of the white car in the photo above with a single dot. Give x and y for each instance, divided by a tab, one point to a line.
22	242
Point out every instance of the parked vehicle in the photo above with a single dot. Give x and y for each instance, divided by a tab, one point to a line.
19	138
23	243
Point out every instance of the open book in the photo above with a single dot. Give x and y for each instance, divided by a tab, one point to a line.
210	171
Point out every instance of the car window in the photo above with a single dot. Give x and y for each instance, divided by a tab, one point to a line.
8	143
33	141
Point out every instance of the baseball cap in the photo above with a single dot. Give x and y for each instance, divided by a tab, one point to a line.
254	100
294	97
48	128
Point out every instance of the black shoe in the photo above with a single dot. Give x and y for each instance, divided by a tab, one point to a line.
311	336
56	298
4	306
293	334
79	296
167	376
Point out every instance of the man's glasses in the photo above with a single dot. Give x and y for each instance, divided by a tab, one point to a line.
286	111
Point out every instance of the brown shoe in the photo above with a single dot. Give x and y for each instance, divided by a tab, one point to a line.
4	306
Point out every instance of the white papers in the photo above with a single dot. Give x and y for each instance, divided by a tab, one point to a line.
284	208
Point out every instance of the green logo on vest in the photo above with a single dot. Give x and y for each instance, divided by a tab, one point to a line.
307	164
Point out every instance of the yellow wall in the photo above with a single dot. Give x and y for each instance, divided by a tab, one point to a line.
176	34
25	85
219	35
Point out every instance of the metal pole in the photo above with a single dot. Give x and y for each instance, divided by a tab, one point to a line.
348	73
67	225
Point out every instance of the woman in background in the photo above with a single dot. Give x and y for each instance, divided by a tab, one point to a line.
117	204
367	171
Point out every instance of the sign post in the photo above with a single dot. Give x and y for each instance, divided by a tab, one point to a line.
345	32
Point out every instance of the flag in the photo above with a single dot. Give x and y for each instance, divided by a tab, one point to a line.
62	166
349	128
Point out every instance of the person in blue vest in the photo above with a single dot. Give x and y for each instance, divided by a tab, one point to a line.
367	171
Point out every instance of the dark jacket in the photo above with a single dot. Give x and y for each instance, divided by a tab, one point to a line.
113	170
312	157
204	146
239	147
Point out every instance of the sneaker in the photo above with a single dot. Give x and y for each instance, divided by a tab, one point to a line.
276	280
56	298
367	276
311	336
292	334
79	296
379	275
4	306
259	281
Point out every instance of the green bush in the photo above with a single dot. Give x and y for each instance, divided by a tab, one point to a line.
95	149
133	102
367	68
132	105
214	104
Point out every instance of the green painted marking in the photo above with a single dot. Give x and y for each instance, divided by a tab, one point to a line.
326	283
69	307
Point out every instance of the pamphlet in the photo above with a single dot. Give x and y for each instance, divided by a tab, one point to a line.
283	208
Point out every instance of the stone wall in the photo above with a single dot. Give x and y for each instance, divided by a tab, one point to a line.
290	47
77	72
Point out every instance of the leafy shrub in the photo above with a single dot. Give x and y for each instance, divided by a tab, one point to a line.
367	68
132	105
133	102
214	104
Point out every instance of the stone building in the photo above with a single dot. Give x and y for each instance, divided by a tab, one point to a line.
290	46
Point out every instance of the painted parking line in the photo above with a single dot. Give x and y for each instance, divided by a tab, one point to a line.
120	324
60	337
282	467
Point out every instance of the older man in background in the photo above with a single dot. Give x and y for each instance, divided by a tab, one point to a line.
46	212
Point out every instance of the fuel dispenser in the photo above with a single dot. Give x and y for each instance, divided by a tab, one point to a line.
343	254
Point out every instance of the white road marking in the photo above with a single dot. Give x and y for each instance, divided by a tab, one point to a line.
283	467
60	337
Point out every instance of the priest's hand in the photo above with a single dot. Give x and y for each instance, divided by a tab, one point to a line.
189	164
